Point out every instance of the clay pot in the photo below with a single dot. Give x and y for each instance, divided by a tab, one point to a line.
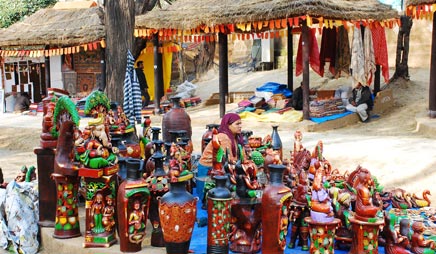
176	119
276	142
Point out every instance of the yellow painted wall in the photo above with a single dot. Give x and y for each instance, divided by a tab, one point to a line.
147	57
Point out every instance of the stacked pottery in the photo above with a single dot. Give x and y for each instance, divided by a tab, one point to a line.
158	184
175	119
132	208
177	213
276	199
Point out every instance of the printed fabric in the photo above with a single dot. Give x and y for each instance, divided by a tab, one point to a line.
380	49
313	55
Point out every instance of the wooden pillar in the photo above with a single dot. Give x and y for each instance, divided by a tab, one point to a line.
102	84
47	71
223	72
290	59
432	89
305	86
377	79
158	74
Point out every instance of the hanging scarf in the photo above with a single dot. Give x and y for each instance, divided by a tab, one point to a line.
313	55
380	49
328	49
343	54
369	56
357	57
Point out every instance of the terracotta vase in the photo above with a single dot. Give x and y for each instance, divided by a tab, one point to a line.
276	142
177	213
207	136
133	200
175	119
276	199
219	217
150	164
158	184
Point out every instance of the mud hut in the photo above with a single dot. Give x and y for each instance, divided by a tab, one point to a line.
185	18
425	9
68	37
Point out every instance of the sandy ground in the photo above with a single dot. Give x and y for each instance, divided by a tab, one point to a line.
388	146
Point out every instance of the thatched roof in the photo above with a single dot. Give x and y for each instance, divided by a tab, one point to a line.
419	2
189	14
56	28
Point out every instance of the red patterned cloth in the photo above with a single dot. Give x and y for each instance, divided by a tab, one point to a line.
380	50
328	49
313	55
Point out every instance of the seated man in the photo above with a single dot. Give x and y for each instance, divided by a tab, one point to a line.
297	98
361	101
22	102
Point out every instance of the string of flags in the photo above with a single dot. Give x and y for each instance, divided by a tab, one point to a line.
250	30
421	11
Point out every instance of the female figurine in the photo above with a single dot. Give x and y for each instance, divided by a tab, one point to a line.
96	214
108	214
137	220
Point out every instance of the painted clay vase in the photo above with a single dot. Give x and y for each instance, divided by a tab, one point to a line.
276	142
133	200
246	135
207	136
158	184
322	235
175	119
218	212
177	213
276	199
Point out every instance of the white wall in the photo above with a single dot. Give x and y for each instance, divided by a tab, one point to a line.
56	72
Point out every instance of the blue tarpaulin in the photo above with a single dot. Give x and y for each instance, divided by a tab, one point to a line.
275	88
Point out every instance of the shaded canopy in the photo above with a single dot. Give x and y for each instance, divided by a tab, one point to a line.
419	2
56	28
189	14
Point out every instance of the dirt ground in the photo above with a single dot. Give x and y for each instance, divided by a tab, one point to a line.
389	145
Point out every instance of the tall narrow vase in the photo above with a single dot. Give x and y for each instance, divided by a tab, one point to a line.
177	213
219	217
275	202
132	208
276	142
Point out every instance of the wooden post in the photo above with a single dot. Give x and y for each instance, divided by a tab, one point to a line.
377	79
47	71
102	84
432	89
223	72
290	59
158	74
305	86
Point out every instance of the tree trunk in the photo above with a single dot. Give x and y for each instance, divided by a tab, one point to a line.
120	22
401	63
204	60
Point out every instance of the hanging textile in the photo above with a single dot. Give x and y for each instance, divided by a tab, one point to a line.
132	104
328	49
369	56
343	54
357	57
380	50
313	55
